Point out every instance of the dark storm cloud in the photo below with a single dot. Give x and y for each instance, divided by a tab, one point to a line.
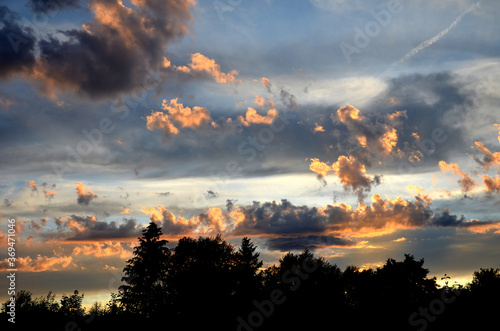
109	55
436	106
446	219
280	218
89	228
17	45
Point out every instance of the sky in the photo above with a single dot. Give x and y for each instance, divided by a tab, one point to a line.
360	130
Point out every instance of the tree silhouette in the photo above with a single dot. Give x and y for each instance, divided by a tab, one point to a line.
203	278
72	305
401	287
248	265
207	282
145	274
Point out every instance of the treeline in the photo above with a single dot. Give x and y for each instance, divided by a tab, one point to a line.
207	283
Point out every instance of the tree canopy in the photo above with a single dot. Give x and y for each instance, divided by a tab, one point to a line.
207	282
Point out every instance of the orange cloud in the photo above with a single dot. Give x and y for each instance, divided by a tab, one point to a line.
477	226
389	140
88	228
241	104
396	115
87	63
489	158
381	217
265	81
252	117
49	194
201	63
378	137
41	263
349	113
125	210
214	221
320	168
491	184
318	128
171	224
79	227
351	174
466	182
102	249
259	100
161	121
110	268
361	140
32	185
399	239
3	238
332	224
285	225
112	15
498	126
84	198
20	227
185	116
421	193
176	113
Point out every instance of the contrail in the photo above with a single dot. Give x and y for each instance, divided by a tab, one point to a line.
431	41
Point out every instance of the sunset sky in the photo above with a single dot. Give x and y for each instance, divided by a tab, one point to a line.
360	130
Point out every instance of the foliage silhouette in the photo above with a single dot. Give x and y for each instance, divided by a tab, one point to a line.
207	282
72	306
145	274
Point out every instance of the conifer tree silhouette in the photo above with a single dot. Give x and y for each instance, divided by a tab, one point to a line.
146	274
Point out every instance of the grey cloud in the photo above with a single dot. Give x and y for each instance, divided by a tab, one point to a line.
446	219
17	45
102	60
211	194
288	99
89	228
230	204
436	105
282	218
51	6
